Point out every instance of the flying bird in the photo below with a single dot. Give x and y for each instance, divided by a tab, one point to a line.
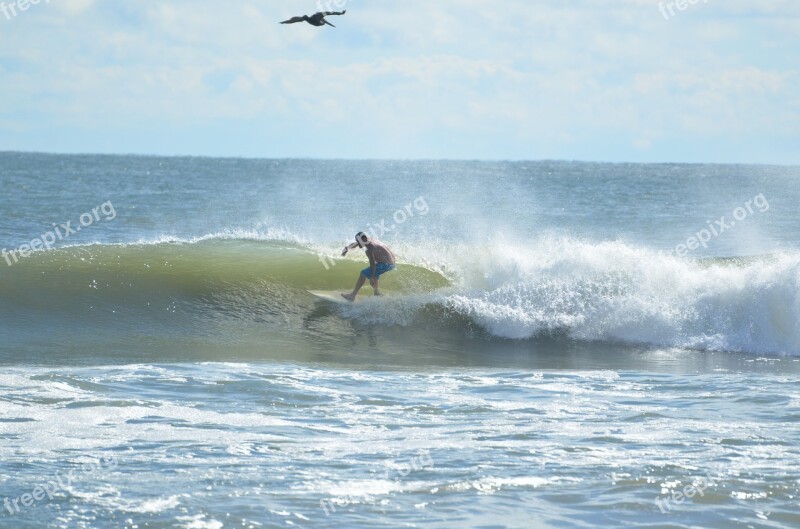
317	19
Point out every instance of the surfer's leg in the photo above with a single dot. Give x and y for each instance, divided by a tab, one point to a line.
380	269
360	283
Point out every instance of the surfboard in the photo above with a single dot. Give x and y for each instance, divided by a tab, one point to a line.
335	296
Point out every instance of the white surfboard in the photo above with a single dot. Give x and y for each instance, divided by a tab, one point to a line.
335	296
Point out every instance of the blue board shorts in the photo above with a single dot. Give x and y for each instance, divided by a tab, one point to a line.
380	268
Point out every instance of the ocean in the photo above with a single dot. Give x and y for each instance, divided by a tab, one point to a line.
562	345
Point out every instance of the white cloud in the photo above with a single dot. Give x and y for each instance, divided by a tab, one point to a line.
72	7
517	78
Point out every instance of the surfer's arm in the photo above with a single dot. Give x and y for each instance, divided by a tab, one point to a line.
348	248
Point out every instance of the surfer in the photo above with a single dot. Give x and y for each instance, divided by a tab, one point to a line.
381	260
317	19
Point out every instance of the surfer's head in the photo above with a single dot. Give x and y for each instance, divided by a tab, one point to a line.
362	239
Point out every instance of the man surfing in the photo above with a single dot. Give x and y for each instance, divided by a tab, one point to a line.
381	260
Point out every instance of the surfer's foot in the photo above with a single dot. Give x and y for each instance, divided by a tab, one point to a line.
349	297
378	294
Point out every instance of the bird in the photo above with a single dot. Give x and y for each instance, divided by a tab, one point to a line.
317	19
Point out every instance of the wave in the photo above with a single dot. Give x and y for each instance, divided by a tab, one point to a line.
610	291
615	291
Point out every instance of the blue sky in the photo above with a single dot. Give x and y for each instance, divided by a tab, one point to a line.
516	79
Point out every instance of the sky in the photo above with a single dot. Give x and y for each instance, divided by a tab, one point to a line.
598	80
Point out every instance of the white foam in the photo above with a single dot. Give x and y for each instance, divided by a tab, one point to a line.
615	291
156	505
199	521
